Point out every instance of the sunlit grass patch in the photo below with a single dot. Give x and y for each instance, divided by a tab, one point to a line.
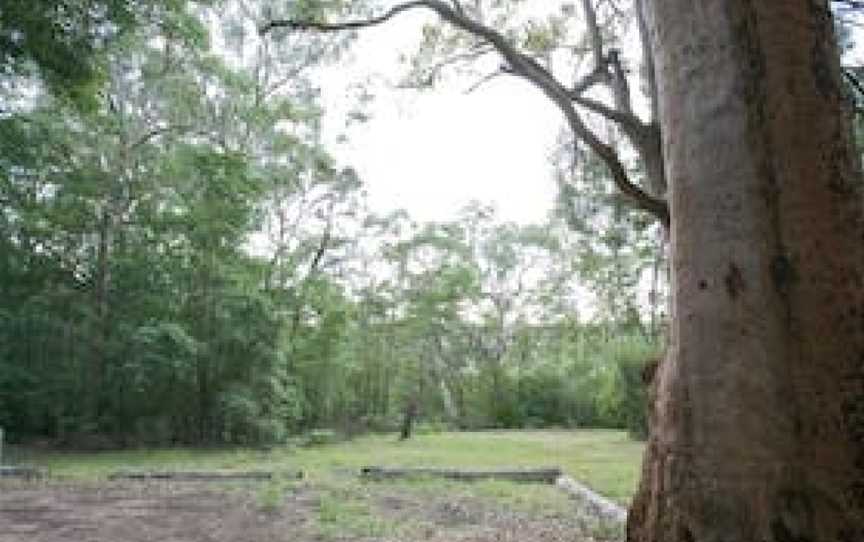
607	461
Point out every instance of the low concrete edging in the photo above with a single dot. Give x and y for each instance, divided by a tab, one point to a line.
597	503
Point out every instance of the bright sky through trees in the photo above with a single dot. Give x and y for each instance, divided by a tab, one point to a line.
433	152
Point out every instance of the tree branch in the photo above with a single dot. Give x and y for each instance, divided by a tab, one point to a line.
598	75
858	88
485	79
853	80
648	70
348	25
430	73
519	64
594	33
154	133
627	121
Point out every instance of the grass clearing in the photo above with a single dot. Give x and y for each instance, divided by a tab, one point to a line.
605	460
331	503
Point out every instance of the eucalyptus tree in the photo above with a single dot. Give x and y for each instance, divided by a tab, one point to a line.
81	188
758	425
65	45
757	418
434	281
128	226
618	255
526	49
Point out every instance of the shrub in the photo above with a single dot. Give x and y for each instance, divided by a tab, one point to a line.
623	397
320	437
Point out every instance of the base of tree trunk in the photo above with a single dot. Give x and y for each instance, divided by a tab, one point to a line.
196	476
543	475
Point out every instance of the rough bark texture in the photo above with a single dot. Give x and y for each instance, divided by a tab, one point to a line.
758	419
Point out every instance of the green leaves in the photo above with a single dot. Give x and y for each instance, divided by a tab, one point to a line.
65	43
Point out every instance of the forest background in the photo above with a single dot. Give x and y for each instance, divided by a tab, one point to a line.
183	259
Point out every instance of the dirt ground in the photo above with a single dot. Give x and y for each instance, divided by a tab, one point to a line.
197	512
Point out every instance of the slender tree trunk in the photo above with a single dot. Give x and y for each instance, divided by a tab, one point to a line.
408	421
98	363
758	421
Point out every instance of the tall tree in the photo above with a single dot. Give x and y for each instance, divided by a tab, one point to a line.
525	53
758	420
65	43
758	429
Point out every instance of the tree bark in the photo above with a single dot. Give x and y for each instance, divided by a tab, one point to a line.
757	430
102	326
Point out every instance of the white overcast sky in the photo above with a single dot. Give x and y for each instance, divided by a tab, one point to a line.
431	153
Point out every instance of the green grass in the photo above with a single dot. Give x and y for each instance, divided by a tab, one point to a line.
346	511
607	461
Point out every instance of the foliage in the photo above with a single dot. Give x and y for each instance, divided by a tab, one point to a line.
65	43
184	263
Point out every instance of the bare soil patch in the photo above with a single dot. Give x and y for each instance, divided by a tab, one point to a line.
133	513
192	512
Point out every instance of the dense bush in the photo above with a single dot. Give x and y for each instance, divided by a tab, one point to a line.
624	395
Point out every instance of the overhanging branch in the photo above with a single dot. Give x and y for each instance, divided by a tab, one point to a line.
517	63
348	25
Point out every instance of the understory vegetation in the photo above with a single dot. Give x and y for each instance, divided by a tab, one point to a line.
183	262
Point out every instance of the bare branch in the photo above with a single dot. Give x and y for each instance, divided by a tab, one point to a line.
519	64
485	79
859	89
618	82
853	80
593	33
598	75
627	121
607	66
348	25
648	71
470	55
156	132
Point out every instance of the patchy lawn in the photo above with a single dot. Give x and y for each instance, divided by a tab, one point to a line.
607	461
330	503
287	512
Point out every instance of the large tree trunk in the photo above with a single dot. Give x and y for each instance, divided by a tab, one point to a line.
758	420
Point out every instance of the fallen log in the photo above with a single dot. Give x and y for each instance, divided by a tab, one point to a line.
542	475
9	471
196	476
596	503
